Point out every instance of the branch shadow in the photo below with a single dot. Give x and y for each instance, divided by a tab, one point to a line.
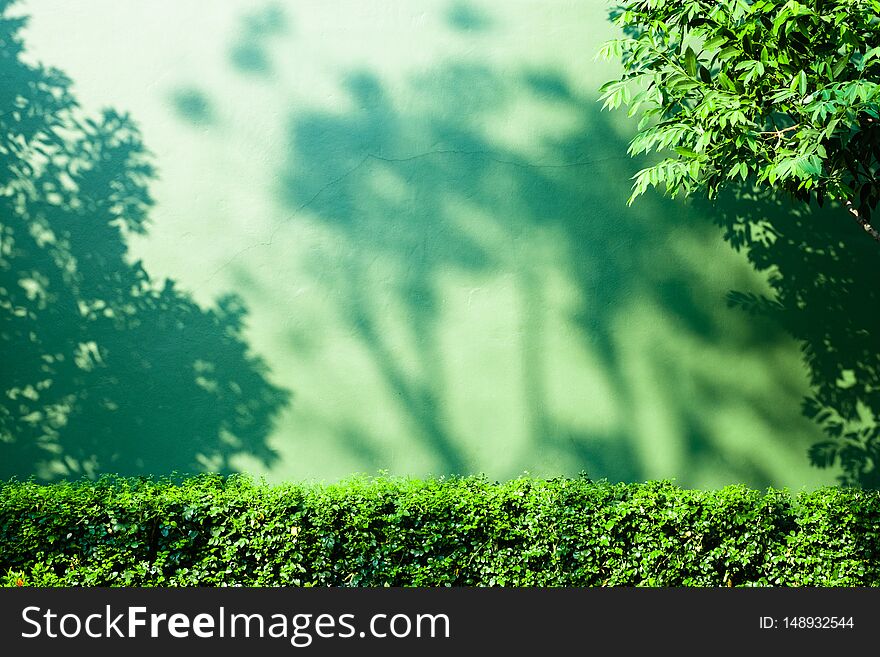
392	181
467	267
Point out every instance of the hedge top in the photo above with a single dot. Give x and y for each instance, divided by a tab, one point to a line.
464	531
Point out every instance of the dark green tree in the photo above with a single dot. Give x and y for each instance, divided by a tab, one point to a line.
103	369
768	100
778	92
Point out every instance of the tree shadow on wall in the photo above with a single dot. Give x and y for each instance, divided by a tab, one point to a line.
250	53
822	270
422	199
104	370
392	182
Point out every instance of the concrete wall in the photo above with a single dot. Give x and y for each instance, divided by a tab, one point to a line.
424	211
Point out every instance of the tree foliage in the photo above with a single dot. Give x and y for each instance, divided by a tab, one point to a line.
758	97
781	93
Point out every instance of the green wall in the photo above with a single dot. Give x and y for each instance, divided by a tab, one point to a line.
424	211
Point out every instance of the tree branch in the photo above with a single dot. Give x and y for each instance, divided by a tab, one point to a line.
779	133
862	221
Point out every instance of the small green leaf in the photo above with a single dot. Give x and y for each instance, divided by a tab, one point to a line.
728	53
802	83
690	61
726	81
714	42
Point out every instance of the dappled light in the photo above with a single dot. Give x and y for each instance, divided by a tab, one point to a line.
423	210
105	369
820	268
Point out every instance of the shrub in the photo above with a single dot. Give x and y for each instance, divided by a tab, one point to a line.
229	531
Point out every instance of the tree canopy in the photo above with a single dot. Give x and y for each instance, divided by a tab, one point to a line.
781	93
745	101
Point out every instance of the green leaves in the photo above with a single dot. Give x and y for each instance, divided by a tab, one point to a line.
213	531
615	94
789	87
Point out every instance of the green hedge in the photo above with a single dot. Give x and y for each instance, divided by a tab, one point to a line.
215	531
